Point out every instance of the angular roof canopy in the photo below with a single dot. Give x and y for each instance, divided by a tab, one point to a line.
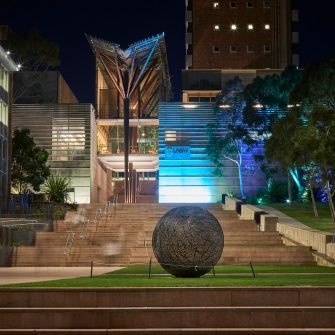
143	65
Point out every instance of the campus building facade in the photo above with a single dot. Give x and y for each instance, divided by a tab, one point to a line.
244	38
130	85
67	130
7	66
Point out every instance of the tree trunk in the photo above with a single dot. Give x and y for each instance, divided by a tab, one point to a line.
241	181
315	210
330	201
289	187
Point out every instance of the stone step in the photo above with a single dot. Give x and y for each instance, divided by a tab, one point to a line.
167	297
175	331
130	225
168	317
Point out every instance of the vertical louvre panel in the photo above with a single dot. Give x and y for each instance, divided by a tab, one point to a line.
65	131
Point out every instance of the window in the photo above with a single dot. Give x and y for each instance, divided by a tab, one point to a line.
232	4
267	27
250	27
233	27
250	4
216	27
267	49
216	49
251	48
233	48
266	4
216	4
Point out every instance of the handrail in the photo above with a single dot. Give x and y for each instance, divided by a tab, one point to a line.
69	243
97	218
84	230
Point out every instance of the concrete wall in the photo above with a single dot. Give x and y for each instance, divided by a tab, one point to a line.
316	239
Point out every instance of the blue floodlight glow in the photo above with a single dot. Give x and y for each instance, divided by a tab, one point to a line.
186	175
185	194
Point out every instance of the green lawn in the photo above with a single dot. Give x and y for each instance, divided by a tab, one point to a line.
303	212
226	276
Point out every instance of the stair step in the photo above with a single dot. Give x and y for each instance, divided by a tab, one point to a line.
169	317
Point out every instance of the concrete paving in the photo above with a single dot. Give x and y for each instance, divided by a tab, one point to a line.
13	275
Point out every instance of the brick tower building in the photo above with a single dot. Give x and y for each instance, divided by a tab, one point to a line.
225	38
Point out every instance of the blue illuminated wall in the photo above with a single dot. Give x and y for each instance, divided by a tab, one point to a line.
187	177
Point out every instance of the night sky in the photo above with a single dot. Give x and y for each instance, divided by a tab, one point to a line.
127	21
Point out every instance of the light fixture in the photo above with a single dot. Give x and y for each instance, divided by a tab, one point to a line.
8	52
216	4
19	66
216	27
258	106
267	27
233	27
190	106
224	106
250	26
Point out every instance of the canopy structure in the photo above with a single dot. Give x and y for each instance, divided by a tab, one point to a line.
139	73
141	77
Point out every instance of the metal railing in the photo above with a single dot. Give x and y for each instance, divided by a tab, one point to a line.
69	243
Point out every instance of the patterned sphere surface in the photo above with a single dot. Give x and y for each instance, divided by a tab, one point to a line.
188	241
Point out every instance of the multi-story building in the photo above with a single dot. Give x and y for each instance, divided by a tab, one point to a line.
7	66
247	38
130	85
67	130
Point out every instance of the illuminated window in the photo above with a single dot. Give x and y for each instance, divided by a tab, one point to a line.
216	27
68	139
266	4
216	4
250	4
216	49
233	49
170	136
267	49
250	26
267	27
232	4
233	27
251	48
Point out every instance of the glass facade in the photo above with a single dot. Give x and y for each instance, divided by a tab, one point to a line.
143	140
68	133
4	88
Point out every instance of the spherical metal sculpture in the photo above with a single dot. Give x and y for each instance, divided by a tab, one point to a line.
188	241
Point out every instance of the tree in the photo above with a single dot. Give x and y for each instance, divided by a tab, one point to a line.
316	94
304	145
228	137
29	169
36	55
279	147
266	101
56	189
322	125
317	87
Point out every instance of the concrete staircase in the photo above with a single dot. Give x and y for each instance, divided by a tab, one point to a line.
172	311
124	237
